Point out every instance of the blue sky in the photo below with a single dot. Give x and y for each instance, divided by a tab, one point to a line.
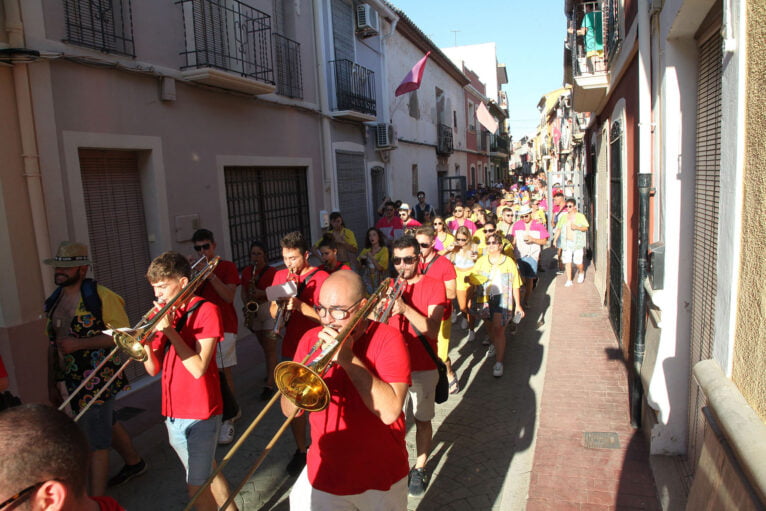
530	41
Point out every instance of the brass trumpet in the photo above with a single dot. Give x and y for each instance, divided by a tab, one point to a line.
383	312
303	385
283	315
132	341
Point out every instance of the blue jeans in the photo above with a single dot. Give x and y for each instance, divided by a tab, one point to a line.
194	441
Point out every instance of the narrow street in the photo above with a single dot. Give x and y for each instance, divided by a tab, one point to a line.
514	443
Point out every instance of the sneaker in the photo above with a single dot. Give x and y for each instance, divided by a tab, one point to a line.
226	435
492	351
485	341
128	472
568	284
463	323
267	393
418	482
559	272
471	335
297	463
453	318
497	370
581	278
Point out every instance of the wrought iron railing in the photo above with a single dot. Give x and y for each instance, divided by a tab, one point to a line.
613	33
228	35
582	62
105	25
354	87
444	141
498	144
287	63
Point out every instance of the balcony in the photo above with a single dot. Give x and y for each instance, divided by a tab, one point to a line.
287	61
444	145
105	26
228	45
354	91
498	146
588	60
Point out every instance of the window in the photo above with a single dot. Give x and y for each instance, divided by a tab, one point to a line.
105	25
471	117
415	186
414	105
454	119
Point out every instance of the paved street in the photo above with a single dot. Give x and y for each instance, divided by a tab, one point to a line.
494	443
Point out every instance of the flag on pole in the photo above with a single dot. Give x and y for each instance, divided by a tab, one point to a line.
485	118
412	81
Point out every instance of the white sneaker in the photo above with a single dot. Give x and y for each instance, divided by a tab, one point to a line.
491	351
471	335
581	278
568	284
497	370
226	436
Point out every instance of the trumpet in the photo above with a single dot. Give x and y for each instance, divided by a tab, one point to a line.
383	312
283	315
132	340
301	384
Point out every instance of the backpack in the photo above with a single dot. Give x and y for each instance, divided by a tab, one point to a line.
90	298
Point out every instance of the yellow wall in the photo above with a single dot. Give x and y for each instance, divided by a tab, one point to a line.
749	371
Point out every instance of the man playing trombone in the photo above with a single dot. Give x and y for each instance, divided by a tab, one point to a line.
184	350
358	456
77	313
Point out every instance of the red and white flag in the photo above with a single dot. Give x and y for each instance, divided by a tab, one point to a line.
486	119
412	81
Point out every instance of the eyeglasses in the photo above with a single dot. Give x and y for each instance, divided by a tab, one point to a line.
406	260
492	243
199	248
424	245
489	231
20	495
570	206
338	313
462	239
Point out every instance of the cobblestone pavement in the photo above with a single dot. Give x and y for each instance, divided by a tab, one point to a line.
484	436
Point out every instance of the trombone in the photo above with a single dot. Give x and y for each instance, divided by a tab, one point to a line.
132	340
302	384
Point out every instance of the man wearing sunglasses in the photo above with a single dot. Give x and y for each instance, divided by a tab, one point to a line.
417	314
390	224
45	462
570	233
358	456
221	289
529	237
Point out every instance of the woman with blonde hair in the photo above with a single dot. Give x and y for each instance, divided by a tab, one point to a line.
463	255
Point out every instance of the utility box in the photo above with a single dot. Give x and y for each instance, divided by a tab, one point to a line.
656	268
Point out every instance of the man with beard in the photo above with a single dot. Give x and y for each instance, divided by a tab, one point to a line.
77	313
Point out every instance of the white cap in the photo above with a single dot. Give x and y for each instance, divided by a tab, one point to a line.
404	206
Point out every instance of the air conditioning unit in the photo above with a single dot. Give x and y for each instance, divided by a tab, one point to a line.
366	20
385	135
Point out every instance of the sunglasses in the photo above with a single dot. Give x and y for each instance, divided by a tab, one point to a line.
524	216
489	231
406	260
338	313
23	493
438	223
570	206
492	243
424	245
199	248
462	239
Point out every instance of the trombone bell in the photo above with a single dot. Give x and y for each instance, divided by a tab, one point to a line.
302	385
130	345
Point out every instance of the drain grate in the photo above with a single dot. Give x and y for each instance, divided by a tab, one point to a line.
128	412
601	440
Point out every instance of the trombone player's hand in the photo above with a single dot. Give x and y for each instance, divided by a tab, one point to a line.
164	321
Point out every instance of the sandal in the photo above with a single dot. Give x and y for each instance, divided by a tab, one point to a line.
454	386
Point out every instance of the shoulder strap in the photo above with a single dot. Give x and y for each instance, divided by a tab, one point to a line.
305	282
427	346
181	323
431	264
90	297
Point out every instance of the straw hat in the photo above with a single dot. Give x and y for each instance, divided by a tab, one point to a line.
69	255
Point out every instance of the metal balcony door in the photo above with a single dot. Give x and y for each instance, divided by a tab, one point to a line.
352	192
119	245
615	229
449	184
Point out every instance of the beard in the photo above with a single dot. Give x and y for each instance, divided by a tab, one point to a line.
65	280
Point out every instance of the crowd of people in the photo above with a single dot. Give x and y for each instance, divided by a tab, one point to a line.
475	264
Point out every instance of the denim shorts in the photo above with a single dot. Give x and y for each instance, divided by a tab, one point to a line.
195	441
96	423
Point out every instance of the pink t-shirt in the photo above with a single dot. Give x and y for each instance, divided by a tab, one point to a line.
535	230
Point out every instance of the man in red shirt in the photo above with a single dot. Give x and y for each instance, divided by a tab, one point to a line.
184	350
440	268
302	317
45	462
408	223
390	224
417	314
221	289
358	455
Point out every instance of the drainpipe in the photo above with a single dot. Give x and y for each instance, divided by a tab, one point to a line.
324	107
27	134
644	186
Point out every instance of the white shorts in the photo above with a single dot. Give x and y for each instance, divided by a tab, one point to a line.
263	320
226	354
423	394
304	497
572	256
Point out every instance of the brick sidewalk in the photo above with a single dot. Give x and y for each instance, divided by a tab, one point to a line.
586	392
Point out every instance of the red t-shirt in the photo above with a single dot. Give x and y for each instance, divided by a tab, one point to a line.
340	265
108	504
424	293
265	280
3	372
227	272
352	450
298	323
183	395
389	227
441	269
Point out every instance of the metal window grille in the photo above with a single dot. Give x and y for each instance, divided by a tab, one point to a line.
228	35
287	61
613	34
105	25
354	87
576	42
615	229
265	204
444	140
